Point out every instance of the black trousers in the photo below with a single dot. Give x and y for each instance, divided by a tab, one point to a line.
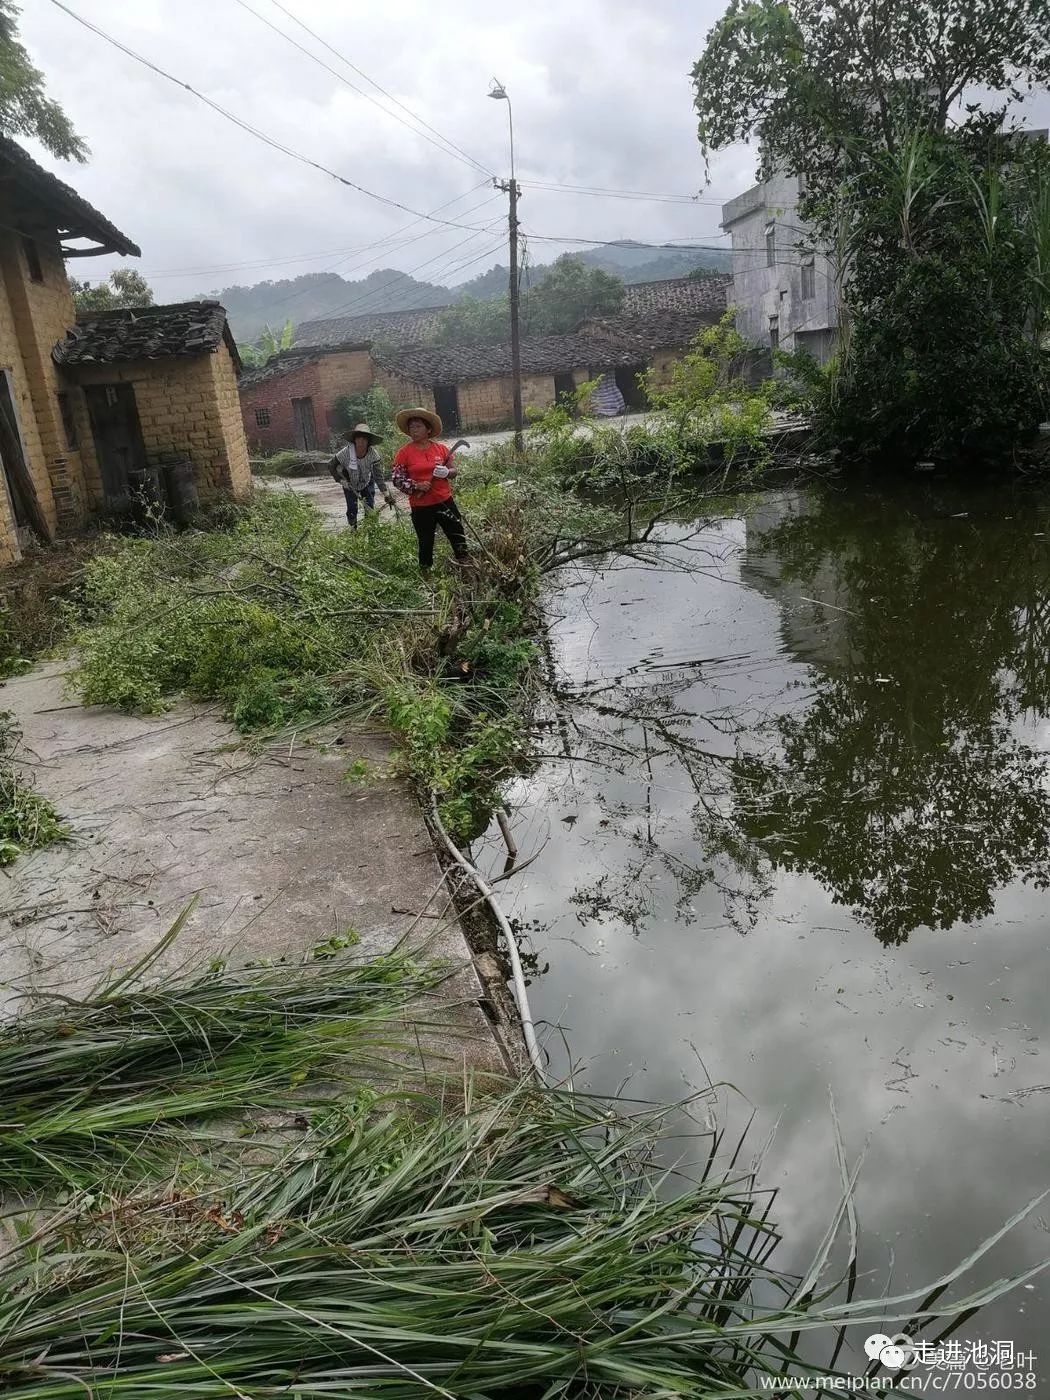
426	520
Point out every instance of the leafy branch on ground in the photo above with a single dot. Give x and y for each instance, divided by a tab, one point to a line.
28	821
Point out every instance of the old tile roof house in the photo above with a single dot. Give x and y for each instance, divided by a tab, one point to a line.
394	327
292	401
83	402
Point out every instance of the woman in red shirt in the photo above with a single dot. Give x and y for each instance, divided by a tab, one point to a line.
423	471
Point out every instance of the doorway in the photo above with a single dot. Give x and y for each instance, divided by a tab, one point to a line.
446	405
632	391
564	387
25	507
305	424
117	432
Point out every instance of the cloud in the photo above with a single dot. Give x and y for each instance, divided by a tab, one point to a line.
601	96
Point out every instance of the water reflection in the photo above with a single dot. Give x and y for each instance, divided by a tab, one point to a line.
837	729
908	785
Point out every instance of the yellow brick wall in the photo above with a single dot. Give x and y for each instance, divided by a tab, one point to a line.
484	403
239	481
186	405
403	391
346	372
42	313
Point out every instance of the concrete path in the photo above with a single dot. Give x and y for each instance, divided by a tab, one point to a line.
280	850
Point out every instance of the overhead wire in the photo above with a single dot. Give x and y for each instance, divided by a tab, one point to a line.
361	73
441	143
259	135
390	239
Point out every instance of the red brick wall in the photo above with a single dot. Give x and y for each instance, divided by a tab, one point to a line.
276	395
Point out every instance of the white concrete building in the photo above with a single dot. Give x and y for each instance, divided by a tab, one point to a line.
784	288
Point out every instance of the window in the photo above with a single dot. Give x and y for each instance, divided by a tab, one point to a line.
809	277
69	423
262	417
771	245
774	332
32	255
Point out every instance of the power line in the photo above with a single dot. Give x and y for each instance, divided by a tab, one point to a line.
551	186
392	241
397	102
267	140
441	144
427	233
358	303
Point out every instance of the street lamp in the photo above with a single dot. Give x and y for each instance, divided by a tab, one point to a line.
499	94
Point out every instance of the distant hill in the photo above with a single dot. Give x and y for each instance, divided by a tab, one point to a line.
320	294
316	295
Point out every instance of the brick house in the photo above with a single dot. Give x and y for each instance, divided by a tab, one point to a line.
471	386
291	402
159	384
51	476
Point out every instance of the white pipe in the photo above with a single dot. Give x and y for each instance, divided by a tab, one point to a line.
521	995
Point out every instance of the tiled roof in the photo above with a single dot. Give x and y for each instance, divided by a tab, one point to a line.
547	354
285	363
644	334
699	294
78	218
398	327
145	333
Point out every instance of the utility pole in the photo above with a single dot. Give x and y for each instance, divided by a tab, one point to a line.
515	342
510	187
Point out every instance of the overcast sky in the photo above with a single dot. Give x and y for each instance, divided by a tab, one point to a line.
601	97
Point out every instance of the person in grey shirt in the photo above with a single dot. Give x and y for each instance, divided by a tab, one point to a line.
358	470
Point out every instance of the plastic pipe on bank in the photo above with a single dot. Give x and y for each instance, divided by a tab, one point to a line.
521	995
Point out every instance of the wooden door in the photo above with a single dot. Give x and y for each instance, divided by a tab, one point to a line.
446	405
305	424
117	432
21	493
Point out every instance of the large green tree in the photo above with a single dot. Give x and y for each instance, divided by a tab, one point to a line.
25	108
821	80
567	294
896	112
125	287
570	292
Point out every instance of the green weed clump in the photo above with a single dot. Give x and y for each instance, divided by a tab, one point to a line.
28	821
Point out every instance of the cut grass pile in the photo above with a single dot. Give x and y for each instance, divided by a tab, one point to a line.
107	1084
518	1243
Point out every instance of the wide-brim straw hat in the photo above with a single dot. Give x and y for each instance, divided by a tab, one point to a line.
362	430
428	416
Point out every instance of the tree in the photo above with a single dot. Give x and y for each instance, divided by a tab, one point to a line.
269	344
125	287
25	109
938	217
824	80
569	293
472	321
946	298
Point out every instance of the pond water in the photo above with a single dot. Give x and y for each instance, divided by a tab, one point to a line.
795	826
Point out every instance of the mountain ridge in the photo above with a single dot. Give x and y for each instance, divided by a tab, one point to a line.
319	295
